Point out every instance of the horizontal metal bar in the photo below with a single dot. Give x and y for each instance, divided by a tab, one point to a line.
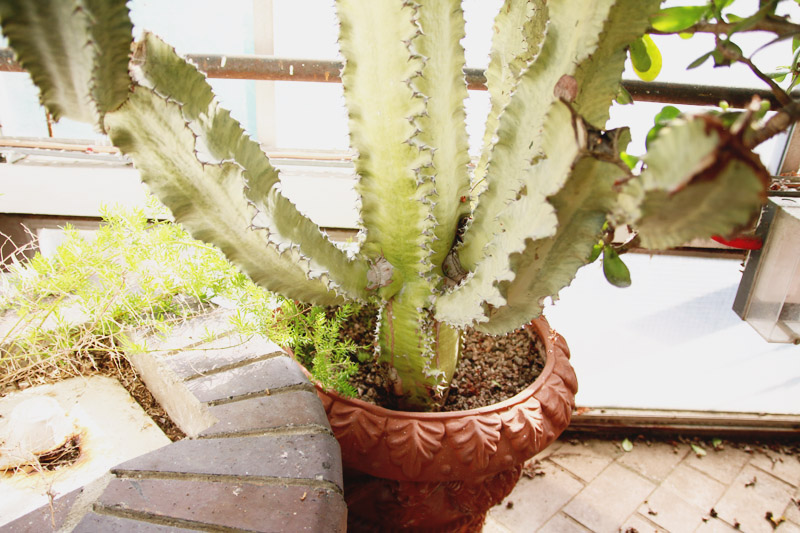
709	423
254	67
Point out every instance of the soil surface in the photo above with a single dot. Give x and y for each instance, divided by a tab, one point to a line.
491	369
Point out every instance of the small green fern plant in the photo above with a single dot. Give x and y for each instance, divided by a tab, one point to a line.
65	313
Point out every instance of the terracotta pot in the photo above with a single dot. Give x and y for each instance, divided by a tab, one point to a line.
444	471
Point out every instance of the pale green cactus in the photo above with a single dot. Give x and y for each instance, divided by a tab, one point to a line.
441	248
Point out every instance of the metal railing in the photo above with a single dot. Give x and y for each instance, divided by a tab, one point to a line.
255	67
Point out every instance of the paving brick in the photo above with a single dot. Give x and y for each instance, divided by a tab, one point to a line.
189	333
226	351
536	500
695	487
749	504
638	523
259	377
723	465
715	525
792	511
561	523
669	510
612	497
788	527
586	459
233	505
783	466
493	526
291	408
44	518
95	523
654	461
314	456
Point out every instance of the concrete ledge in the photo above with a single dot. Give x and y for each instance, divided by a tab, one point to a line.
260	457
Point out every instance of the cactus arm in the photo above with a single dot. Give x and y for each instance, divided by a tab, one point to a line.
469	302
547	265
224	139
444	124
519	30
111	30
715	187
530	216
572	35
154	133
384	108
599	76
58	43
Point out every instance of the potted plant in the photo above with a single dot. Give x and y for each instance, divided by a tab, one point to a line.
441	247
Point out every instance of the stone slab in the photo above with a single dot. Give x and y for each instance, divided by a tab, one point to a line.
306	456
562	523
606	502
723	465
257	378
190	333
283	410
750	496
112	426
45	518
654	461
781	465
96	523
669	510
695	487
534	501
229	504
220	353
586	459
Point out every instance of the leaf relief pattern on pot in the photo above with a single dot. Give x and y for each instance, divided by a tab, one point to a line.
357	425
475	438
557	402
562	367
412	444
524	425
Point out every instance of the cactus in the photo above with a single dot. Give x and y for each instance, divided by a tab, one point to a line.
440	248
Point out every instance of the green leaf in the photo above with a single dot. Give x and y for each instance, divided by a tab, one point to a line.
627	445
597	249
623	96
725	49
653	64
639	57
664	117
675	19
698	450
700	60
630	160
716	443
615	271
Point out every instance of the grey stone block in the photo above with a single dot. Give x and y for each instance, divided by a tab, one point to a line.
315	457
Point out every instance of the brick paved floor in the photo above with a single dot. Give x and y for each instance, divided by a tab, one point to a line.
593	485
